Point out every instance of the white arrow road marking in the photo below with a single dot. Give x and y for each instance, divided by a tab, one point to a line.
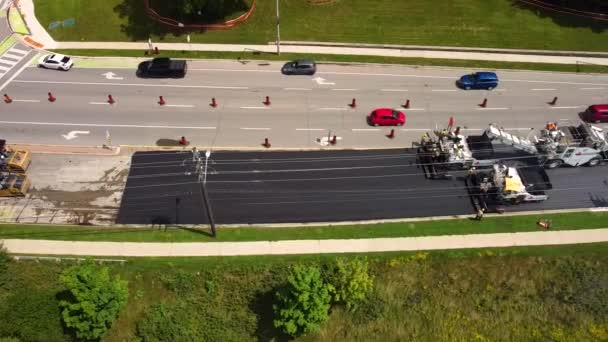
324	141
111	76
321	81
73	134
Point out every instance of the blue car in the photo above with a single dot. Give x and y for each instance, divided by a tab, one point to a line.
478	80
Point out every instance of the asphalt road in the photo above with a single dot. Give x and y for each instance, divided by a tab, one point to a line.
303	109
273	187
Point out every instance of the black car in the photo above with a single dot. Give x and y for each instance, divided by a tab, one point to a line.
162	67
299	67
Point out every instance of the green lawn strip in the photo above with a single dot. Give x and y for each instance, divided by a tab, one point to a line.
570	221
7	43
17	23
476	23
245	56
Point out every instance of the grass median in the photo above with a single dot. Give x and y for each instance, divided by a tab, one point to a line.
507	224
247	56
478	23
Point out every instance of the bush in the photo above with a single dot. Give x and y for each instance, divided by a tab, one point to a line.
93	301
4	260
31	314
163	323
352	281
303	304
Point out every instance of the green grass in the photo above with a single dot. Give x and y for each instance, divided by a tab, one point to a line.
7	43
477	23
554	293
506	224
583	68
17	23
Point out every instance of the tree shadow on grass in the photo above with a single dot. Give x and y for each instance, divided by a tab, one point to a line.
140	26
563	19
262	306
205	12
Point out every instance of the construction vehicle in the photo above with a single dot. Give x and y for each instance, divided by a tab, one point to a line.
501	184
448	150
13	160
13	184
572	145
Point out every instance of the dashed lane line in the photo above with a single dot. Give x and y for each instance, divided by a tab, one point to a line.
543	89
178	105
70	124
298	89
565	107
133	84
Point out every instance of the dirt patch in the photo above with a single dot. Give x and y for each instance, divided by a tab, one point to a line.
72	199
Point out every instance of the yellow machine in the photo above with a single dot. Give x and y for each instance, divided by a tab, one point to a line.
13	184
13	160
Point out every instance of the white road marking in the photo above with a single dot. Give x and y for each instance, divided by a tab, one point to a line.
99	103
26	100
592	88
25	65
178	105
310	129
98	125
344	89
257	107
321	81
565	107
329	108
444	90
133	84
303	89
365	129
235	70
73	134
542	89
394	90
491	108
112	76
255	128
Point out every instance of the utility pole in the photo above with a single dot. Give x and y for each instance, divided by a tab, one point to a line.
201	172
278	31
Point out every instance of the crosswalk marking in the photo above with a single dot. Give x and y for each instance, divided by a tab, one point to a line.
11	57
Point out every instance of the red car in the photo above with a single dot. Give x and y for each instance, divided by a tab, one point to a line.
596	113
386	117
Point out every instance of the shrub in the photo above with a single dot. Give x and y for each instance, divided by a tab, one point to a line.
303	304
163	323
93	301
4	260
352	281
31	314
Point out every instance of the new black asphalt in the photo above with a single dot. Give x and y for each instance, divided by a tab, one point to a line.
274	187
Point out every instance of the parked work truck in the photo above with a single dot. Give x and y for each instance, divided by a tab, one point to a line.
162	67
13	160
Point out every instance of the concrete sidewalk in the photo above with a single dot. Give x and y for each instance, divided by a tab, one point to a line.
40	38
132	249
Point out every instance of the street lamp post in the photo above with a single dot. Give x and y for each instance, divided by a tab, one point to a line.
278	31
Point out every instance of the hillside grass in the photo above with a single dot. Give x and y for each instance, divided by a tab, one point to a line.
555	293
473	23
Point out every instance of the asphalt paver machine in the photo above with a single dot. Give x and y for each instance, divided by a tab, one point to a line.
12	160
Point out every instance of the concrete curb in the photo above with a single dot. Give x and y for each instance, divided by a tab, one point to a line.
450	49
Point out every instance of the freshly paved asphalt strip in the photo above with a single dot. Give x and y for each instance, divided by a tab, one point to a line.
302	109
134	249
292	187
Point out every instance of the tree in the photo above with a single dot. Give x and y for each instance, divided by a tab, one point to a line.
94	299
352	281
303	304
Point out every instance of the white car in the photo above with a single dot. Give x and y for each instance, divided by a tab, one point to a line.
56	61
